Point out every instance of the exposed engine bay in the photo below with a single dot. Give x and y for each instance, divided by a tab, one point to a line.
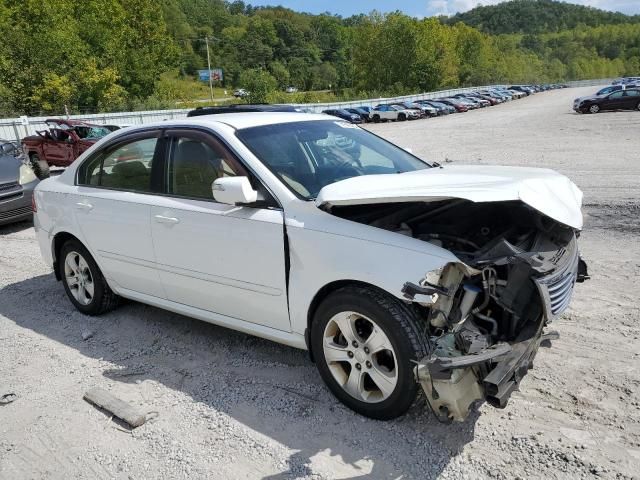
483	316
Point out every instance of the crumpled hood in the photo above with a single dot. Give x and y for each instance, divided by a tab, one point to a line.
545	190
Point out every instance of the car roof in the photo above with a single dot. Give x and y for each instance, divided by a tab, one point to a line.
71	123
240	121
241	108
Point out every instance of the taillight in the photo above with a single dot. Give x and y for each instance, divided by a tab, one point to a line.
34	207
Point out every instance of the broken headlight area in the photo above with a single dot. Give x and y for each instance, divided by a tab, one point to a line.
484	315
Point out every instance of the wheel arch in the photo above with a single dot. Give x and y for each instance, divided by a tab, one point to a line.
59	239
323	293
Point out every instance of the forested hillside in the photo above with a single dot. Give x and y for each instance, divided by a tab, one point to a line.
102	55
537	16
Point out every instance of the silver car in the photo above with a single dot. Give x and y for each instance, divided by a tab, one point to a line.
17	182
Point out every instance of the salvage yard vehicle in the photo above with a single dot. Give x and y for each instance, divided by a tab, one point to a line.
312	232
17	181
393	113
455	103
344	115
61	144
364	114
628	99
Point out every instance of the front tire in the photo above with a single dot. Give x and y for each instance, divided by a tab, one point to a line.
376	118
594	109
402	117
365	343
83	281
40	167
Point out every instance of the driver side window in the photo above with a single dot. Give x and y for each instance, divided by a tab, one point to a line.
60	135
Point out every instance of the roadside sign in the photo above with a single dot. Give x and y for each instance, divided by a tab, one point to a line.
215	73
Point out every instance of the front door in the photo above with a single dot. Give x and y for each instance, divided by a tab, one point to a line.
58	149
220	258
614	101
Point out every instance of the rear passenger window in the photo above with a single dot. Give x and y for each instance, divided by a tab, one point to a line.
128	167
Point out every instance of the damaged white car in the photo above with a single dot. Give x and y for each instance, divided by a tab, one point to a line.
396	274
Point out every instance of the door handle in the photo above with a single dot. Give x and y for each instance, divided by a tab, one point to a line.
84	206
163	219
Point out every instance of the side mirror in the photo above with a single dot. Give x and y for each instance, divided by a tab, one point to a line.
233	191
7	148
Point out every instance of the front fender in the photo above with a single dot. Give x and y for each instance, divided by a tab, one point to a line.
320	258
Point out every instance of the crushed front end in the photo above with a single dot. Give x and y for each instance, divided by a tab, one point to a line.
486	315
483	316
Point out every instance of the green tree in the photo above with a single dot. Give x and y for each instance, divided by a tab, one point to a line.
259	83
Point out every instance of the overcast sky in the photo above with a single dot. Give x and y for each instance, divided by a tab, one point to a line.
422	8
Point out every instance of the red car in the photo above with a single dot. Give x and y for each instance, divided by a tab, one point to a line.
61	144
459	106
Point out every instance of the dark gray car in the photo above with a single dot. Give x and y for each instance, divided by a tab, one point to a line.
17	182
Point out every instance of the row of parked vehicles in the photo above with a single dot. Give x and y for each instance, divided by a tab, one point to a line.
400	111
622	94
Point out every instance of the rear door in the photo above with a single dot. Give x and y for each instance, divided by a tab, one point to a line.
115	191
225	259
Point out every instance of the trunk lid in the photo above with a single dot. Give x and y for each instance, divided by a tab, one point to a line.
544	190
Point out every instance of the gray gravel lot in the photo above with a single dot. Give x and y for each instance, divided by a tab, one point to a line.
233	406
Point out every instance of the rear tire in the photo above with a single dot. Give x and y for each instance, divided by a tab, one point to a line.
83	281
40	167
365	343
638	106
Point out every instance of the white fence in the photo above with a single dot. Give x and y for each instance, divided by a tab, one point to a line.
17	128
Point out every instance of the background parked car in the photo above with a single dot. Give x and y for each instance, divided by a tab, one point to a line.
394	113
522	88
423	110
628	99
441	108
344	115
471	104
455	103
17	181
291	90
240	93
478	102
364	114
61	144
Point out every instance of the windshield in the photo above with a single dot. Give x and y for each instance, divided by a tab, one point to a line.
91	131
307	156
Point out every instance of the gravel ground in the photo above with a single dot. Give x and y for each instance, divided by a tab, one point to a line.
232	406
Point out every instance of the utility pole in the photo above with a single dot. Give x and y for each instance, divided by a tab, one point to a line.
206	40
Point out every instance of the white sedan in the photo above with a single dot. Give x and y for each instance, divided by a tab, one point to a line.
312	232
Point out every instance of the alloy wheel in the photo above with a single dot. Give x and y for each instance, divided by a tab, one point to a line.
78	277
594	108
360	357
